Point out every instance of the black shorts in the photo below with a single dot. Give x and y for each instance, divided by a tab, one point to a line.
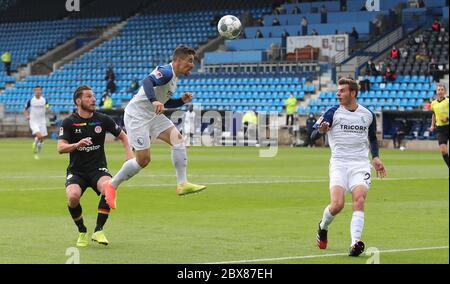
86	179
442	134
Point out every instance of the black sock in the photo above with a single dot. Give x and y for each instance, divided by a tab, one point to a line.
445	156
103	213
76	214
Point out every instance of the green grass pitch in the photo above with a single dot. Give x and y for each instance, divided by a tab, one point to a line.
255	210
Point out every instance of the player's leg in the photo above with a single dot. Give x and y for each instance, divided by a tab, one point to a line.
74	191
360	183
102	211
139	138
173	137
338	183
443	137
41	136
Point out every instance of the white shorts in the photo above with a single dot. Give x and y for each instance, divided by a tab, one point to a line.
38	127
350	176
140	132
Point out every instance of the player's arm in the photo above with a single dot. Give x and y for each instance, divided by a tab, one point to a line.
176	103
65	135
65	147
114	129
26	112
323	125
158	77
124	139
374	149
433	123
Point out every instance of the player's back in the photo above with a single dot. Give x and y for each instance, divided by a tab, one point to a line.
164	82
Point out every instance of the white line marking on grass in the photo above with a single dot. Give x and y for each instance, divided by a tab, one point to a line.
320	255
214	183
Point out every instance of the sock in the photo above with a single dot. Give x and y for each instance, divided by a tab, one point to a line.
356	226
179	160
103	213
129	169
77	217
39	146
327	218
445	156
36	140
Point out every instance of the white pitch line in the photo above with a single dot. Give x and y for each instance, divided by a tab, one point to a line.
212	183
320	255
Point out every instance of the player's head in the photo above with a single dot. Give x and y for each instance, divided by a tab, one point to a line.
37	91
84	98
347	91
183	60
441	90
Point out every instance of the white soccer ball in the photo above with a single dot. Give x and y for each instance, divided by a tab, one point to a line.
229	27
402	148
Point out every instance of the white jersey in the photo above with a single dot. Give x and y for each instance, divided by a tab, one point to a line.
165	84
37	108
349	132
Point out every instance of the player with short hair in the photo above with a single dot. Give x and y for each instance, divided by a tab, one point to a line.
34	111
440	120
144	120
351	128
82	134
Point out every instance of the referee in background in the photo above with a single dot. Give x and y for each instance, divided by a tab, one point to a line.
440	119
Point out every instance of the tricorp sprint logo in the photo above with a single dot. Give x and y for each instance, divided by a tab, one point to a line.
73	5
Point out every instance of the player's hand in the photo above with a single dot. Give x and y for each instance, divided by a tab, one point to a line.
379	167
431	129
84	142
27	117
187	97
159	107
324	127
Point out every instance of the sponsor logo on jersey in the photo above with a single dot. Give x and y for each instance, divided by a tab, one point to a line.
69	176
79	124
353	128
61	131
98	129
157	74
88	149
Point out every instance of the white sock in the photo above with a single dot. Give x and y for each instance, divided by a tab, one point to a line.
36	140
327	218
39	146
179	160
129	169
356	226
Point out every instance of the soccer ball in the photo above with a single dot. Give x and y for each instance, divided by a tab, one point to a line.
229	27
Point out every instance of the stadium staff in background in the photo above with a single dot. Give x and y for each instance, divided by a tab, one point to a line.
6	59
145	120
35	110
309	129
440	120
82	134
250	121
351	128
291	107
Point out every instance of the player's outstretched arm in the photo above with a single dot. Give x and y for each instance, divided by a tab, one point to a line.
124	139
64	147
